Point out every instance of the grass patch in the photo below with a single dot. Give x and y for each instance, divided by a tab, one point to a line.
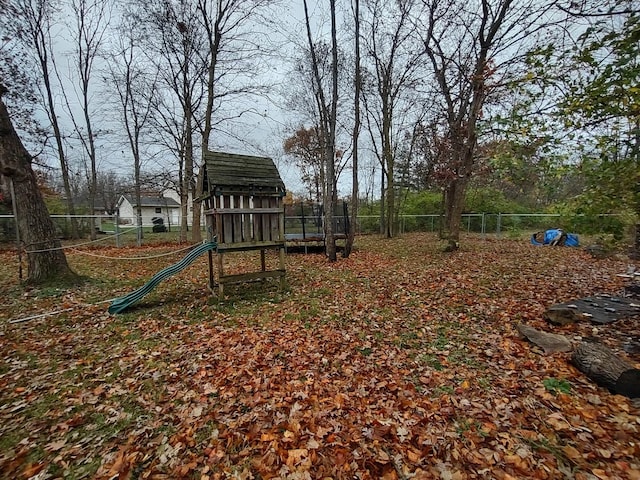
9	440
461	357
543	444
408	340
86	469
365	352
443	390
556	386
432	361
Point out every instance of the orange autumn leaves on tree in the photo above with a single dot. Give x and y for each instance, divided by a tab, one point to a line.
305	146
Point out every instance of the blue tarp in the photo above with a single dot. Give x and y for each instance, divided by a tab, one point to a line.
566	239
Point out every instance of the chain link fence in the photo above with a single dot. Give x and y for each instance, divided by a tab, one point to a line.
514	225
120	231
110	230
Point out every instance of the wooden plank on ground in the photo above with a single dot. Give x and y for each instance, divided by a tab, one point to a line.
247	277
600	309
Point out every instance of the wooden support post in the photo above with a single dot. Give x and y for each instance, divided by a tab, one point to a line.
282	249
282	267
263	263
212	281
220	275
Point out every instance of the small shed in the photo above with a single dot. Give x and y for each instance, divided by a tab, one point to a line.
151	206
243	197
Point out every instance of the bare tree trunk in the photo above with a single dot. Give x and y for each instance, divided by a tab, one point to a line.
356	134
187	179
390	192
138	194
196	228
46	260
388	159
331	165
463	86
92	18
39	34
454	204
214	39
183	192
383	194
327	114
136	103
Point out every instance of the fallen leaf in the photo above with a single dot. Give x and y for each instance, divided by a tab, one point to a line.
55	446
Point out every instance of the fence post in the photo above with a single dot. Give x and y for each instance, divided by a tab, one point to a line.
498	224
14	205
117	228
483	226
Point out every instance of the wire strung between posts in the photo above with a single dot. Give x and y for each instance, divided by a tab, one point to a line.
57	312
108	237
133	258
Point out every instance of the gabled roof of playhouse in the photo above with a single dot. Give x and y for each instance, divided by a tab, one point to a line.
232	171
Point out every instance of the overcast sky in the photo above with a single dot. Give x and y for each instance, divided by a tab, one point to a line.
265	124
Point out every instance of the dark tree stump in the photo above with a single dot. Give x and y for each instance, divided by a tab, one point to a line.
608	370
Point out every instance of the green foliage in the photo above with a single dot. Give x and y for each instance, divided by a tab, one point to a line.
589	97
607	204
478	200
530	171
55	205
604	103
491	200
591	223
422	203
556	386
607	89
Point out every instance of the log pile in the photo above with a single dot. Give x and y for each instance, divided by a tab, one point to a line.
595	360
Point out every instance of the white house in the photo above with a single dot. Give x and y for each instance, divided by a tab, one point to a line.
174	195
161	206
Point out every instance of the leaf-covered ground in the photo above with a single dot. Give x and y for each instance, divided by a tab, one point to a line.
399	362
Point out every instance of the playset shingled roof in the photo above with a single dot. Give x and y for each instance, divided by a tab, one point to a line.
234	172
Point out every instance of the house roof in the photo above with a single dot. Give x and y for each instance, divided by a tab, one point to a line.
164	202
230	170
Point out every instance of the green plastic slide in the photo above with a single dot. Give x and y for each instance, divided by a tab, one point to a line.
122	303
